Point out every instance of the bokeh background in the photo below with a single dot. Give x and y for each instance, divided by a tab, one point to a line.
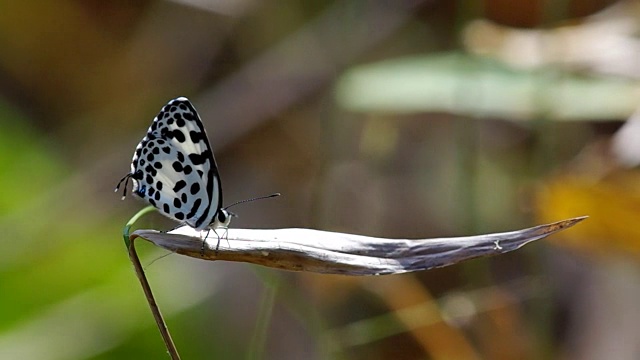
404	119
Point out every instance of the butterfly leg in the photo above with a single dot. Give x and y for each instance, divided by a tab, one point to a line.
225	236
218	244
176	227
173	228
204	241
226	230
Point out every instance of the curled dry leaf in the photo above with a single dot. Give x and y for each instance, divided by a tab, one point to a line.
340	253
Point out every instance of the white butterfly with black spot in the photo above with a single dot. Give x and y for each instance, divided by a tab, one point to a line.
174	170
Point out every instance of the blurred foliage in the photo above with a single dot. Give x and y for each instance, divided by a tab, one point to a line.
478	87
610	201
23	153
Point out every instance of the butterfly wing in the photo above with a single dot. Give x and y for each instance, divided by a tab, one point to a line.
174	169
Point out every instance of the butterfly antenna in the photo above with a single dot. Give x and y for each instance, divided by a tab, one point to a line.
253	199
126	185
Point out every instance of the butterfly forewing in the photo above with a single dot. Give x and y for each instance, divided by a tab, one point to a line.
174	169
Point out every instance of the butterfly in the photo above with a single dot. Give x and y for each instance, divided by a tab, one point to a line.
174	170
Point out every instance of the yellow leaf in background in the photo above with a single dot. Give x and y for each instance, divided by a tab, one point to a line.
613	206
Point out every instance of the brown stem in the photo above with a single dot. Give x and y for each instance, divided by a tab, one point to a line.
155	310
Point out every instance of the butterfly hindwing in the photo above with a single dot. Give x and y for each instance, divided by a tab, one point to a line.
173	167
169	184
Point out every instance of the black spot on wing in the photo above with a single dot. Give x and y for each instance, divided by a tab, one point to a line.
194	208
199	159
166	149
180	156
149	179
187	169
157	165
195	188
179	186
177	203
152	202
183	197
179	135
179	216
151	191
159	185
166	208
196	136
177	166
179	120
156	150
151	170
157	197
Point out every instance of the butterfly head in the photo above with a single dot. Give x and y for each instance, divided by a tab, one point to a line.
222	219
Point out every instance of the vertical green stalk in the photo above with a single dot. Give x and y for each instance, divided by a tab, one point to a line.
259	338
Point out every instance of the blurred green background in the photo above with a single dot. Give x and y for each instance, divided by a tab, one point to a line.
403	119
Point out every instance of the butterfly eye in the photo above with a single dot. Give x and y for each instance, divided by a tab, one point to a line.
142	190
138	175
222	217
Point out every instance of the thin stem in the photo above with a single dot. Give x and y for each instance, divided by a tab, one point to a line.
155	310
256	347
136	217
